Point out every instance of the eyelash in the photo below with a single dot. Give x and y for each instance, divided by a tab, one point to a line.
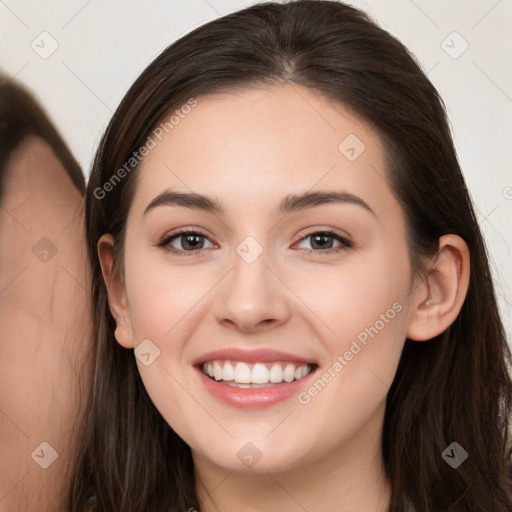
345	243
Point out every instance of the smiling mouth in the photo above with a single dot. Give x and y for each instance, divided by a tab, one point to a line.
255	375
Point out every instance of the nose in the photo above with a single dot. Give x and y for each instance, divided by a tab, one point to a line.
252	298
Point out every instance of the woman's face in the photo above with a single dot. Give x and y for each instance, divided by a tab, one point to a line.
259	292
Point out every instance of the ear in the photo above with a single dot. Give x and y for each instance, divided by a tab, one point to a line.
439	298
116	292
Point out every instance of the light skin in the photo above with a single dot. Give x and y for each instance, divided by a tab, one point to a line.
250	149
46	332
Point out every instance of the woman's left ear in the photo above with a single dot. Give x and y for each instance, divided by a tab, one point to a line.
439	299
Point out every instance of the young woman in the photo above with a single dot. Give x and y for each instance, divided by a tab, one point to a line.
293	303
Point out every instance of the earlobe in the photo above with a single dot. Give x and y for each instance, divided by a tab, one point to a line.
116	291
437	303
123	337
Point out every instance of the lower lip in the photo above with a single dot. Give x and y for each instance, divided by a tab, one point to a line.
254	398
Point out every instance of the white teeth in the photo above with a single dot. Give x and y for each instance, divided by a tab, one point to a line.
242	373
249	386
217	370
228	373
276	373
289	373
255	374
259	374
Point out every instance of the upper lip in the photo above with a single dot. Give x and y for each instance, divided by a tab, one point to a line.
262	355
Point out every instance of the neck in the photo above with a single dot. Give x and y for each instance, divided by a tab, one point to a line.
349	478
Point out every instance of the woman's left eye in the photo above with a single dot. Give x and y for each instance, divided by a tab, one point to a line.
322	242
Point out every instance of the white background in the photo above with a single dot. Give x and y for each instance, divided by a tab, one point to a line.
104	45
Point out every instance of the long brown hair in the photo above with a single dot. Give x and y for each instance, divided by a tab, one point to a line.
453	388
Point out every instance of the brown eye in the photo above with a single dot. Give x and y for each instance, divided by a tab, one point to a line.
321	241
325	242
191	242
185	242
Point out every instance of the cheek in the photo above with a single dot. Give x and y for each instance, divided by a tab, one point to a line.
365	311
162	296
363	292
360	311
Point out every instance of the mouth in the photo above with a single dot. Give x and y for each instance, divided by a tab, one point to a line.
253	379
254	375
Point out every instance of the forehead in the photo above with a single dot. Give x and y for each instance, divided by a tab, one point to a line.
253	146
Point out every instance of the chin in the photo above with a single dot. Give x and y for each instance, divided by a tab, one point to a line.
255	456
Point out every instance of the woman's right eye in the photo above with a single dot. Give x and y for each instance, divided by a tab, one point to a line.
184	242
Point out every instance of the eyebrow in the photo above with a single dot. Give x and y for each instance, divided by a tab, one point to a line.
291	203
